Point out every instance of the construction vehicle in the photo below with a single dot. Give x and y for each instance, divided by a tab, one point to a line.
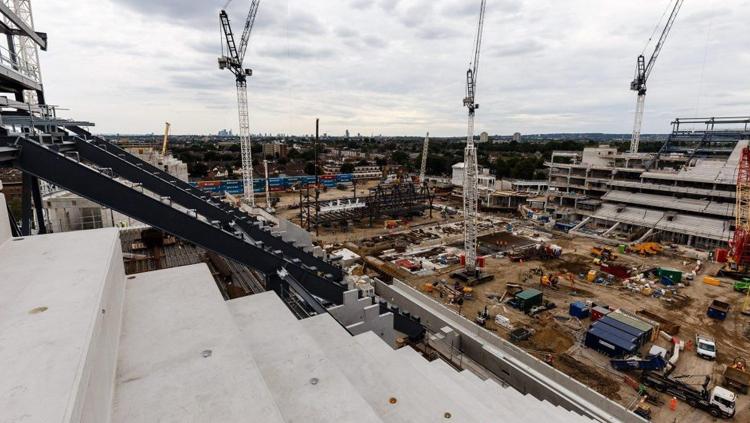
471	169
642	72
549	281
742	286
705	347
482	317
718	310
736	376
233	60
647	248
603	253
655	362
718	401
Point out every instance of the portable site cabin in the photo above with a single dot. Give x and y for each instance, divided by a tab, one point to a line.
610	341
528	299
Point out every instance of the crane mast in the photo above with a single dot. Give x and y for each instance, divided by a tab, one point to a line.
167	125
741	241
471	171
233	61
423	167
642	72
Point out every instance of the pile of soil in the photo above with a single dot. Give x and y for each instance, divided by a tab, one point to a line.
590	376
551	338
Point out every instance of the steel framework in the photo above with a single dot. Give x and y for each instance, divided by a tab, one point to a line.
395	200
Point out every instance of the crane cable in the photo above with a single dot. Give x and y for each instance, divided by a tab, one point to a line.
703	66
656	28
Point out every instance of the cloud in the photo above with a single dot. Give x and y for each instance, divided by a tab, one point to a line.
391	66
519	48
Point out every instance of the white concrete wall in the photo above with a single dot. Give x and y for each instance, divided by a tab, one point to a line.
101	363
360	315
5	233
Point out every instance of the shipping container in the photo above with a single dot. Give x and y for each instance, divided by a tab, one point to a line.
579	309
609	341
674	275
529	298
722	254
641	336
632	321
598	312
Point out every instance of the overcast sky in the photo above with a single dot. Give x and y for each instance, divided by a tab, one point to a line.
392	66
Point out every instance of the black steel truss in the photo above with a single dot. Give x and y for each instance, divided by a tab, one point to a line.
394	200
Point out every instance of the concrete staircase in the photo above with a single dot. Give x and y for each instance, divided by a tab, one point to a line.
81	342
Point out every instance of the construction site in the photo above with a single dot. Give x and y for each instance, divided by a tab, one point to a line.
616	291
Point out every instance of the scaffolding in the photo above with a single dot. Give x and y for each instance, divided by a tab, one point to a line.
399	200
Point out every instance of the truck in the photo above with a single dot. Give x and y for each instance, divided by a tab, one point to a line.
742	286
705	347
655	362
736	376
717	401
718	310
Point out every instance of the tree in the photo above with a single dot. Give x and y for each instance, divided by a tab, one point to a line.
310	168
400	157
347	168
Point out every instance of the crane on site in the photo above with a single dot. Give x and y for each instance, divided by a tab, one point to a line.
423	167
741	241
471	171
164	143
642	72
232	58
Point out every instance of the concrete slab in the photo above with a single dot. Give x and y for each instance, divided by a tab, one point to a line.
60	311
389	399
305	384
181	358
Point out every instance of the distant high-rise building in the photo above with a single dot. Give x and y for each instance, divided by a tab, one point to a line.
517	137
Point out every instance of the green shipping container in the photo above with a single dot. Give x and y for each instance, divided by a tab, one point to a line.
673	274
529	298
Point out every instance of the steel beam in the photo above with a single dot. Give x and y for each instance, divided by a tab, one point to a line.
45	163
39	38
107	155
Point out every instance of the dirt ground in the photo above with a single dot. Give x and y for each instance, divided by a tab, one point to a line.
559	335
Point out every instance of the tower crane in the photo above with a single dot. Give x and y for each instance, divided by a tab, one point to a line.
233	60
423	167
642	72
741	241
471	170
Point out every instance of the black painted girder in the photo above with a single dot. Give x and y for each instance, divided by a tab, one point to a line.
105	154
45	163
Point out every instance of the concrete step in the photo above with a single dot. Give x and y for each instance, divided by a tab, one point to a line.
306	385
446	384
415	384
385	393
61	299
181	358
